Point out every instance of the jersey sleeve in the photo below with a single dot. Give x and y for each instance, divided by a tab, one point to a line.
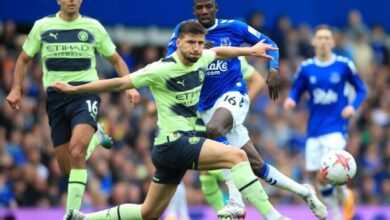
252	36
208	56
33	43
299	85
172	42
246	69
147	76
357	83
105	46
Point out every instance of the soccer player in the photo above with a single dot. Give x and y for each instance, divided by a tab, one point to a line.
224	104
325	77
175	83
177	208
67	42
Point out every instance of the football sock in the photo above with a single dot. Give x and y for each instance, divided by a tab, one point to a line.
76	187
211	191
92	145
234	194
273	177
122	212
251	189
331	201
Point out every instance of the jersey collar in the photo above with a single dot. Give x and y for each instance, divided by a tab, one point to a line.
58	17
214	26
325	63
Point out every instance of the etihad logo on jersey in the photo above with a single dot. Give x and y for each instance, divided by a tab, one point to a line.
216	67
322	97
68	47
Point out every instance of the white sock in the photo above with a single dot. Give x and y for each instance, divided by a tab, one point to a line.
273	177
234	194
331	201
341	192
273	214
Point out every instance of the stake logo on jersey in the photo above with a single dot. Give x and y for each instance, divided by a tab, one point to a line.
224	76
326	82
324	97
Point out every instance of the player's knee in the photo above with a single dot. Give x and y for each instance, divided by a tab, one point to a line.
237	156
77	152
214	130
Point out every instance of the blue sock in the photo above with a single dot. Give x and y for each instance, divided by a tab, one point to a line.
327	191
222	140
264	172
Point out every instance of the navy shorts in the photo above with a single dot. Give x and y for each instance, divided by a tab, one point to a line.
66	111
174	158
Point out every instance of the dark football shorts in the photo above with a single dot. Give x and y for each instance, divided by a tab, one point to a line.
66	111
173	158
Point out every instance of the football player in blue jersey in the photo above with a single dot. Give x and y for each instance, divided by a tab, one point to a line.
224	104
325	78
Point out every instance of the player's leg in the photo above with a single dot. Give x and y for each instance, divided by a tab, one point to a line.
209	181
155	203
274	177
211	191
219	122
78	145
215	155
82	112
99	138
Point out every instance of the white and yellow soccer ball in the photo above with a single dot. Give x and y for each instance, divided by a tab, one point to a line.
338	167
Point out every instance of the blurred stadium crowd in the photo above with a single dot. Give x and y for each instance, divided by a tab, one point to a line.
29	174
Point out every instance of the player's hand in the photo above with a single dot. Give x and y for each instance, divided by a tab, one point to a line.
289	104
13	98
260	50
273	84
348	112
63	87
133	96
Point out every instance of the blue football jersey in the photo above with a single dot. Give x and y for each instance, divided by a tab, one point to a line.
225	75
326	83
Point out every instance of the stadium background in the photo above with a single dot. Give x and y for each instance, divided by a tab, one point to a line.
29	176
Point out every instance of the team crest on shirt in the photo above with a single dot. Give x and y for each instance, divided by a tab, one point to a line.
83	36
194	140
335	77
313	79
225	41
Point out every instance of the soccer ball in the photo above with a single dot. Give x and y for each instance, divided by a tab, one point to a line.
338	167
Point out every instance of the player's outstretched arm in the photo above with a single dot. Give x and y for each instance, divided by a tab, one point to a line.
100	86
121	68
15	94
258	50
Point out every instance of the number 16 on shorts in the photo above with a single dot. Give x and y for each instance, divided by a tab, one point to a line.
92	108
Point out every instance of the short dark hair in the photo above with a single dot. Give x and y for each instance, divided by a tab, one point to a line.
191	27
323	27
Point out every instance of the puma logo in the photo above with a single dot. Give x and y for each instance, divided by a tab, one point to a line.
53	35
181	83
